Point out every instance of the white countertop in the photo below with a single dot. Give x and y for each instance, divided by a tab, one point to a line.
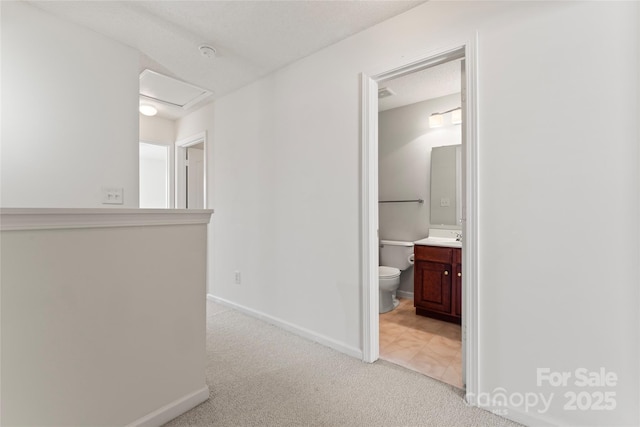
445	242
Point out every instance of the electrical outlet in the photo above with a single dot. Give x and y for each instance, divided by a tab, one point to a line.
238	281
445	201
112	196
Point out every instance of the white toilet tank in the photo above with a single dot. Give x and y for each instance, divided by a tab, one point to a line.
396	254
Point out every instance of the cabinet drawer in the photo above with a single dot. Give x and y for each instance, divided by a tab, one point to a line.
432	253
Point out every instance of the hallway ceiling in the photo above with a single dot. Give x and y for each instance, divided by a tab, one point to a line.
252	38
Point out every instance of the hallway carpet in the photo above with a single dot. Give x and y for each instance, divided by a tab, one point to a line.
261	375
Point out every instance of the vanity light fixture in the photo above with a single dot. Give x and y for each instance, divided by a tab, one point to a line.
148	110
456	116
437	119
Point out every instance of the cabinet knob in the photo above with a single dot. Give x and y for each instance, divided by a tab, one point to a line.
459	274
446	273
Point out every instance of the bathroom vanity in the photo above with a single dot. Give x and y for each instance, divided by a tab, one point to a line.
438	279
437	286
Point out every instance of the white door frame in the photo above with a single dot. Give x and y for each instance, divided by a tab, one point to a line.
181	149
369	207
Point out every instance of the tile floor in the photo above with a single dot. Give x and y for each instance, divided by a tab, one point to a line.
426	345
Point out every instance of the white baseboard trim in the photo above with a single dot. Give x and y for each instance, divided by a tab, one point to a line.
172	410
306	333
528	419
404	294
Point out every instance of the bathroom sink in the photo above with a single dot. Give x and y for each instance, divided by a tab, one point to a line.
447	242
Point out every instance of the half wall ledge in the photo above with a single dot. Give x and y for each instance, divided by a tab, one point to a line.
13	219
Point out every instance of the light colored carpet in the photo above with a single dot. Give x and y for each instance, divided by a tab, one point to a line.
260	375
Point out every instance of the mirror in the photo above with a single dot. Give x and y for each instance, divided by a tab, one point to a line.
446	186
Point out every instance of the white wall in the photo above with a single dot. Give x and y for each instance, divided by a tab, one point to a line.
561	174
110	326
404	158
404	168
70	120
558	163
196	122
157	129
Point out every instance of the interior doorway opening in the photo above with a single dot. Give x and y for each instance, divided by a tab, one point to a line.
155	176
370	199
191	172
420	132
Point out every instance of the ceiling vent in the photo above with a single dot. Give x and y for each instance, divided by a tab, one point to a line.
385	92
167	90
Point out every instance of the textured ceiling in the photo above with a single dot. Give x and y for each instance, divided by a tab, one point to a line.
434	82
252	38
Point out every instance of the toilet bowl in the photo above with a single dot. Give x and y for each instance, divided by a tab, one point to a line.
395	257
389	280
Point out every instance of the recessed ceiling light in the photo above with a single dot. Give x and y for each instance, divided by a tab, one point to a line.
148	110
207	51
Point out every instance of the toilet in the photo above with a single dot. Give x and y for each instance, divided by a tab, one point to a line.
395	256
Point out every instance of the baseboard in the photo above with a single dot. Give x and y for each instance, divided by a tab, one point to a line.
174	409
528	419
404	294
306	333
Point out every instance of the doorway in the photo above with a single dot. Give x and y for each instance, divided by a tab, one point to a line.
191	172
419	171
155	176
370	198
194	176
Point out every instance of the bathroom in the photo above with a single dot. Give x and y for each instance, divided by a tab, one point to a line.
419	200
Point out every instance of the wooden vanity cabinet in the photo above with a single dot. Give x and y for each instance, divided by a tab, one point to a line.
437	286
457	283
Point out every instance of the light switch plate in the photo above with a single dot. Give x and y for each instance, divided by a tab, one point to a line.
112	196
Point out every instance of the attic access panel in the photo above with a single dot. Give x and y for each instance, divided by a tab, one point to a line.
170	91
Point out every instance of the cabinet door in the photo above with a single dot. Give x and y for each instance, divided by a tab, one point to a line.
457	291
433	286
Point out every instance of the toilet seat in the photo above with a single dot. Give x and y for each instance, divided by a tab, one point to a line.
388	272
